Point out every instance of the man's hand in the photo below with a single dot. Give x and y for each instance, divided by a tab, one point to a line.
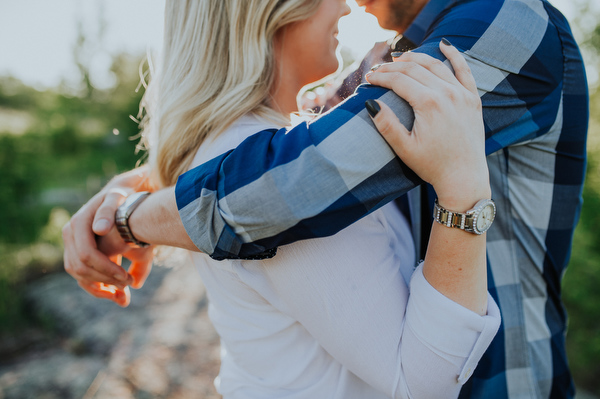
115	193
97	273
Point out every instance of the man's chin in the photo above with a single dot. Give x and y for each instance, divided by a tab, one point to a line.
364	3
373	8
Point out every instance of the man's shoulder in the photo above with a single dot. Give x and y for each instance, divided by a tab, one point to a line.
504	34
501	20
488	10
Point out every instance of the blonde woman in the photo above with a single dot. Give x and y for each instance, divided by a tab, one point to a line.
330	317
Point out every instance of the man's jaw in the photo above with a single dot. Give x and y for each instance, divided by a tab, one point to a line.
386	12
373	7
364	3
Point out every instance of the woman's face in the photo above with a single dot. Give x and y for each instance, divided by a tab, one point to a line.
308	48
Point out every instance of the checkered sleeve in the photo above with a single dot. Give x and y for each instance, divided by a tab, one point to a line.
317	178
281	186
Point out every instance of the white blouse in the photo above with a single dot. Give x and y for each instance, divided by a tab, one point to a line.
333	318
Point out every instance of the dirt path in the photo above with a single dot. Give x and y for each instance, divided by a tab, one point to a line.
162	346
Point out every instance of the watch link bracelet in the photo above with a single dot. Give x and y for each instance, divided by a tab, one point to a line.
476	220
122	215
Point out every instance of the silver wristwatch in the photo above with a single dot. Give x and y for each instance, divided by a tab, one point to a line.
476	220
122	215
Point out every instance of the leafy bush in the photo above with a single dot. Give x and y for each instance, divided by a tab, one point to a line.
66	153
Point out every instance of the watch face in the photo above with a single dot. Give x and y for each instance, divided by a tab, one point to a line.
485	218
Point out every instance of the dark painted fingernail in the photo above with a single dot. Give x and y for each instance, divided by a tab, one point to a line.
372	107
396	54
446	42
375	67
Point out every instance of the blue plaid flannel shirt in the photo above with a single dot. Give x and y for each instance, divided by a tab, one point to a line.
281	186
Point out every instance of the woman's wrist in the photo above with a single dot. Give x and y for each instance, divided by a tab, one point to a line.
460	187
462	197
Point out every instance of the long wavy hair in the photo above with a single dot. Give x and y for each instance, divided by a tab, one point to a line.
217	64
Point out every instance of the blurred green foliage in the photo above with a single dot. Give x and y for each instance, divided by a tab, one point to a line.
57	149
582	279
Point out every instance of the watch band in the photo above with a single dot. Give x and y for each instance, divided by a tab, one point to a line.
467	221
122	215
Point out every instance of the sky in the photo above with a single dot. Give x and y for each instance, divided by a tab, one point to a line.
37	36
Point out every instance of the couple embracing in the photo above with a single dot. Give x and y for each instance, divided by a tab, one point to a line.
320	284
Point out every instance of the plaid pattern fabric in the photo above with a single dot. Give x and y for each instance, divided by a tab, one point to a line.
282	186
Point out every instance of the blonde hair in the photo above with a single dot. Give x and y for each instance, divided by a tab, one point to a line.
217	65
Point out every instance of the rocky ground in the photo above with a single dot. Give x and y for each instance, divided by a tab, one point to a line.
162	346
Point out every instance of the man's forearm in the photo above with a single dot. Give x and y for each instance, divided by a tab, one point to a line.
156	221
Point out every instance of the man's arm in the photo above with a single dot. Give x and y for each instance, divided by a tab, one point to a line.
318	178
156	221
337	167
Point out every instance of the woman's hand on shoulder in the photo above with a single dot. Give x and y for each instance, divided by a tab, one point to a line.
446	146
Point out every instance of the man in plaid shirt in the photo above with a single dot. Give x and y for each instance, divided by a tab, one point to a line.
321	177
534	94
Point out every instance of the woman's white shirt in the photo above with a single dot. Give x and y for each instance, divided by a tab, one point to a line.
333	318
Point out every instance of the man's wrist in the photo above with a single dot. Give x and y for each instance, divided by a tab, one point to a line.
123	215
112	243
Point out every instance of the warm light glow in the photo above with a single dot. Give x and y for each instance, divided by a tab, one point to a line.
131	26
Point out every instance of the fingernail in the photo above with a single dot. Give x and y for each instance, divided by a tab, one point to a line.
446	42
101	225
375	67
372	107
397	54
120	277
